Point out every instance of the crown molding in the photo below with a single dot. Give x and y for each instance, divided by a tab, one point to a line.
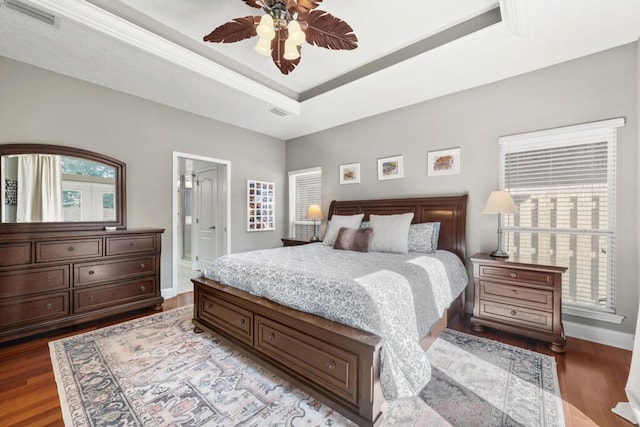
112	25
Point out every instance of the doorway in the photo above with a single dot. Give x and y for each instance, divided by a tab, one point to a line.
201	215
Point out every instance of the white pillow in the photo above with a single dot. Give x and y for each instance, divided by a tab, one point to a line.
338	221
390	233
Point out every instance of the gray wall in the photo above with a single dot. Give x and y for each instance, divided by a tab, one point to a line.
596	87
38	106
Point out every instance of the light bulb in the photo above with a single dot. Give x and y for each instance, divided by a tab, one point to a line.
265	28
295	33
291	52
263	47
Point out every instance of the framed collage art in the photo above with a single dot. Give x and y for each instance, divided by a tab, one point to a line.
261	205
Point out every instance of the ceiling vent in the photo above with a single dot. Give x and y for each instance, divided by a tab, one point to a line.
32	11
277	111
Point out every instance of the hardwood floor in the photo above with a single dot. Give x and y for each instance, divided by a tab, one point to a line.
591	376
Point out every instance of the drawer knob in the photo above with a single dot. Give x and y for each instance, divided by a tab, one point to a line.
71	249
241	322
92	272
208	306
272	336
130	243
331	365
514	292
513	312
49	306
48	278
514	275
142	265
143	288
91	298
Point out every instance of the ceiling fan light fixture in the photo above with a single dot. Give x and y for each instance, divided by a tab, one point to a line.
291	51
295	33
263	47
265	29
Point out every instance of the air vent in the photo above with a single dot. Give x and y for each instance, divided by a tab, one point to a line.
27	9
279	112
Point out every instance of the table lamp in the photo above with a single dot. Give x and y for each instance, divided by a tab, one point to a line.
315	213
499	202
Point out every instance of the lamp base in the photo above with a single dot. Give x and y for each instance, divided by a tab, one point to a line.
499	253
314	238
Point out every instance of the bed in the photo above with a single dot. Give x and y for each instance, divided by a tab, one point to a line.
337	364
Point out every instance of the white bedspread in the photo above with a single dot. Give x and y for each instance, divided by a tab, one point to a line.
397	297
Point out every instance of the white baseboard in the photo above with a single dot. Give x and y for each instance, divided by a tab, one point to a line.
590	333
604	336
167	293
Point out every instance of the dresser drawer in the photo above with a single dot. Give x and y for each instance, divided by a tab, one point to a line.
25	311
90	299
68	249
514	274
131	244
24	282
232	319
15	254
512	314
92	273
329	367
517	295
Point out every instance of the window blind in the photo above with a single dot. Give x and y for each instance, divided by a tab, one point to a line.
563	183
305	188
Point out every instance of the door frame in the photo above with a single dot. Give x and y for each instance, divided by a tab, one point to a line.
174	210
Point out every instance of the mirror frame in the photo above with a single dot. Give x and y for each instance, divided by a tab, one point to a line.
120	197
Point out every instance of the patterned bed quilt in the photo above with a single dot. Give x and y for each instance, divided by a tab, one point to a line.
397	297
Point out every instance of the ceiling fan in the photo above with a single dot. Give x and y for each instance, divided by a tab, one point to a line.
283	28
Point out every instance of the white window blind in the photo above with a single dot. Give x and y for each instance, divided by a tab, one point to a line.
305	188
563	182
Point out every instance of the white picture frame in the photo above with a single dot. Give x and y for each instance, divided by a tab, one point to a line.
444	162
390	168
350	173
261	205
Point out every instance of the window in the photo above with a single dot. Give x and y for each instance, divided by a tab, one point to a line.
304	190
563	182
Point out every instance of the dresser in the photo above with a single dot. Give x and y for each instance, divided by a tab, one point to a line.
519	295
53	279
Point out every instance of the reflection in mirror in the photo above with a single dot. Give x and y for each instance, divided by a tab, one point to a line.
56	188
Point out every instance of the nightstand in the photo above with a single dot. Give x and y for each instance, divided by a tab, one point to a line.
292	241
519	295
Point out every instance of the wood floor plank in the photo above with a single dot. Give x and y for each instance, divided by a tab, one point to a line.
591	376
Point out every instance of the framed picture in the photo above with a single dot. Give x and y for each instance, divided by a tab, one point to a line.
443	162
261	205
390	168
350	174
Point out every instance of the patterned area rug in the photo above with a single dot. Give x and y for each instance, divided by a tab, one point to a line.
155	371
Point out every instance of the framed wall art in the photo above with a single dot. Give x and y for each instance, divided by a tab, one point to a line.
350	174
443	162
261	205
390	168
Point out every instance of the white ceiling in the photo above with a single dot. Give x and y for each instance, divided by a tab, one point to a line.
154	49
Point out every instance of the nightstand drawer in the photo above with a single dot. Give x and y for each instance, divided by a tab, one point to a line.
518	295
517	315
514	274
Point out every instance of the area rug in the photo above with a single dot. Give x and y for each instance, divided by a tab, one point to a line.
155	371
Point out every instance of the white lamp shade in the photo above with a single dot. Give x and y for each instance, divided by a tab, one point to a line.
499	202
314	212
291	52
295	33
265	28
263	47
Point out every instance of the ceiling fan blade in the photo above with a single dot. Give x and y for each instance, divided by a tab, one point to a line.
252	3
303	7
236	30
277	53
325	30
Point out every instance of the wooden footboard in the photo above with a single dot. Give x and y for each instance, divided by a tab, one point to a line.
334	363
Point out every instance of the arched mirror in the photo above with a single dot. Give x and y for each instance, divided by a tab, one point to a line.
55	188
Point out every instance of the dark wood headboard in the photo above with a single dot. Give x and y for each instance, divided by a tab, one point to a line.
449	211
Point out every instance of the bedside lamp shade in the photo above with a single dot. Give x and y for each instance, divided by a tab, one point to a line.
499	202
315	213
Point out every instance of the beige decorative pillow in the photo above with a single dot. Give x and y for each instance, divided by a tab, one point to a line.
353	239
390	233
